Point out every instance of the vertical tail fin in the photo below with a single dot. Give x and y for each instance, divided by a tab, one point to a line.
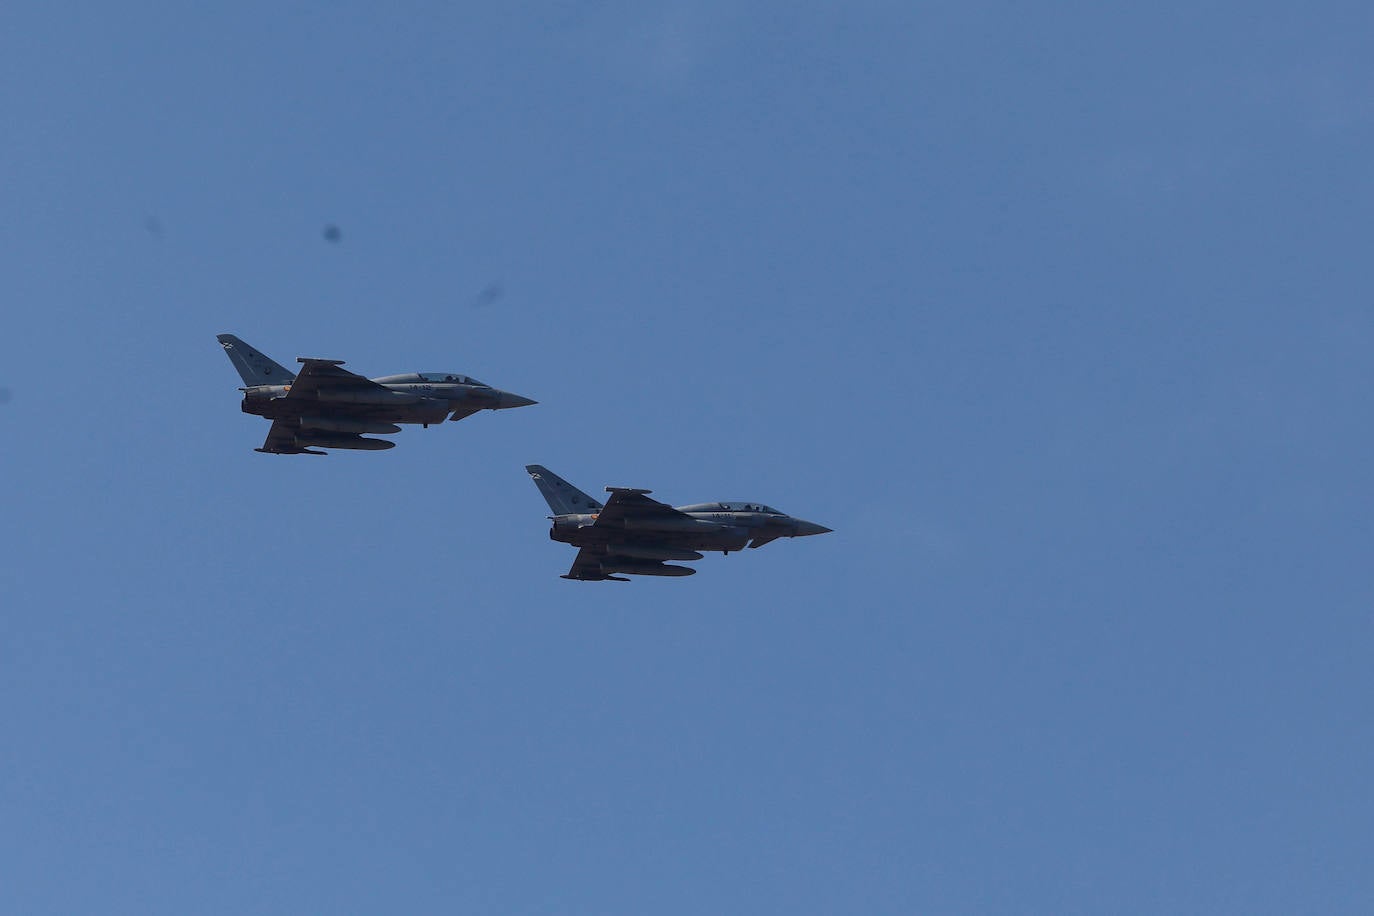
255	368
563	498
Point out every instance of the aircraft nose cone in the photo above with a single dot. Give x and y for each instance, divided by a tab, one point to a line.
513	400
804	528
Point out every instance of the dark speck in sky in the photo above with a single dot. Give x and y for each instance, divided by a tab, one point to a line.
5	395
332	233
489	296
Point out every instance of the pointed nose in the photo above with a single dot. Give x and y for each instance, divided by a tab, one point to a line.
803	528
507	400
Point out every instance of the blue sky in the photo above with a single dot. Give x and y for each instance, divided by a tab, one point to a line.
1059	316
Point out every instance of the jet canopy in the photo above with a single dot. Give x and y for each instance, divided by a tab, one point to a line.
450	378
731	507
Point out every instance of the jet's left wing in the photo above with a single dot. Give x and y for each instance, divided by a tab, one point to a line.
587	567
627	503
281	440
319	374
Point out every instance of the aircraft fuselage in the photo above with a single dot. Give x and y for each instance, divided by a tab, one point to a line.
397	403
723	531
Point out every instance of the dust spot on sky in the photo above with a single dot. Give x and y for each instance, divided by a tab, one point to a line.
333	234
489	296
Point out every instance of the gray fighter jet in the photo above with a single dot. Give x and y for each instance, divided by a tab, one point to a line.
633	534
327	407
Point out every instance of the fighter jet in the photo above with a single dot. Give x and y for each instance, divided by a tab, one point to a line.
327	407
633	535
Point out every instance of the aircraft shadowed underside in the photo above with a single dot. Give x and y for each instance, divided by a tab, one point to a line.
632	534
325	406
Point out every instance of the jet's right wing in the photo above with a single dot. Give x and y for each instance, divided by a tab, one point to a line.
633	504
317	374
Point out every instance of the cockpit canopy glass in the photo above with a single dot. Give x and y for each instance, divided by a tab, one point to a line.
451	378
734	506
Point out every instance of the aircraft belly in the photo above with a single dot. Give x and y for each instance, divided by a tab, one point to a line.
591	536
651	552
425	413
288	409
348	425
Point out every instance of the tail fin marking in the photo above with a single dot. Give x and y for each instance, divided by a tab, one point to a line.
563	498
254	367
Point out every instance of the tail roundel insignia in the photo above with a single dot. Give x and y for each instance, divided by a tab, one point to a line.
253	367
563	498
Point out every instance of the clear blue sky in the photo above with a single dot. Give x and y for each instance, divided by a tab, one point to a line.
1059	314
